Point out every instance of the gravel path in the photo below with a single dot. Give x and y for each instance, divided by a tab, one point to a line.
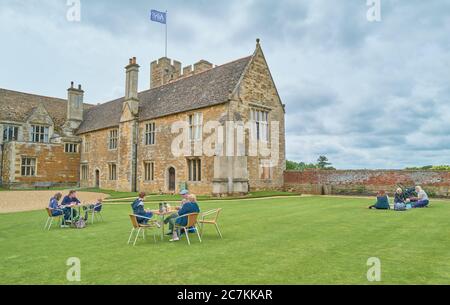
20	201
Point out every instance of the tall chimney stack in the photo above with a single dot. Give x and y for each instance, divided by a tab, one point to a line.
75	103
131	86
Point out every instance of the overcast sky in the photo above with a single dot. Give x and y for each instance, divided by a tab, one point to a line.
365	94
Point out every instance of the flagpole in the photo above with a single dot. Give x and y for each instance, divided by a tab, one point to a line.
166	34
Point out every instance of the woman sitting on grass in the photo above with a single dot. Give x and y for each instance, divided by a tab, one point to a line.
399	200
188	208
382	202
421	201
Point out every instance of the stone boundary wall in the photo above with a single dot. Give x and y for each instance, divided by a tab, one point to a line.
366	182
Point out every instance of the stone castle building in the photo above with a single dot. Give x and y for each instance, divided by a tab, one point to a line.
128	144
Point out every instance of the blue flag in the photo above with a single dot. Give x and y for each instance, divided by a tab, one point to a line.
158	16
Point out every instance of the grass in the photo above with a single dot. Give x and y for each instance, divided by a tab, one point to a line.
292	240
171	198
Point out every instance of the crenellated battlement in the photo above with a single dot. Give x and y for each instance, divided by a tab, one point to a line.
166	70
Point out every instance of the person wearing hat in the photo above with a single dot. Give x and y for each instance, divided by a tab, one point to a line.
139	210
184	194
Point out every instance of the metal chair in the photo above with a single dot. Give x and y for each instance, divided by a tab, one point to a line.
50	218
140	228
191	223
96	214
213	221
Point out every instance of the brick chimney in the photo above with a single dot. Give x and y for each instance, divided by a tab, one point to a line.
131	86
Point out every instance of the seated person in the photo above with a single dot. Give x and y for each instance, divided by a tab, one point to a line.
188	208
68	202
399	200
382	202
138	210
421	201
184	194
54	205
97	207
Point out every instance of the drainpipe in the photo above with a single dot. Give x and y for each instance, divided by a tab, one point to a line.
134	182
2	148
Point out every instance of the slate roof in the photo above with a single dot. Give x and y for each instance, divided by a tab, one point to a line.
17	106
208	88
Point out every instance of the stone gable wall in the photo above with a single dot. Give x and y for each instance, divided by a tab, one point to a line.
258	88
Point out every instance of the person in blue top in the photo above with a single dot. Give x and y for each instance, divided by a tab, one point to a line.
139	210
54	205
68	202
382	202
188	208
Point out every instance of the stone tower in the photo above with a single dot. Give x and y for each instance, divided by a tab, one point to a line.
163	71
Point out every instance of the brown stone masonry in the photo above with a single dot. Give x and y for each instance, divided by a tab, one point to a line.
366	182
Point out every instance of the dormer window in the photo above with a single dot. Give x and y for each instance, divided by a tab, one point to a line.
39	133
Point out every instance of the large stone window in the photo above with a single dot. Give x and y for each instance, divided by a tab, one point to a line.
194	170
10	133
195	126
260	124
84	172
39	133
150	134
113	139
112	171
28	167
149	171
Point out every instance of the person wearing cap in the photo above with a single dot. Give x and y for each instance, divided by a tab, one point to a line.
184	194
188	208
139	210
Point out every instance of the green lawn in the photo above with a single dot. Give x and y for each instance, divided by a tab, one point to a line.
119	196
290	240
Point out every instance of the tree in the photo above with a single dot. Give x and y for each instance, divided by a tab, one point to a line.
323	163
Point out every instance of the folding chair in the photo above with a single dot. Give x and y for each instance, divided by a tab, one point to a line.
50	218
191	223
141	228
213	221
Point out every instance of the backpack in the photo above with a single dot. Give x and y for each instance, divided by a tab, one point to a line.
80	224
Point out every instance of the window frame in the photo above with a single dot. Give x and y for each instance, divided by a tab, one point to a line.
28	170
194	170
150	134
112	171
195	122
39	132
84	172
113	139
7	137
260	124
149	171
70	148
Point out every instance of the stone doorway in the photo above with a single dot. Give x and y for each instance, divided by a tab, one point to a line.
172	179
97	178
